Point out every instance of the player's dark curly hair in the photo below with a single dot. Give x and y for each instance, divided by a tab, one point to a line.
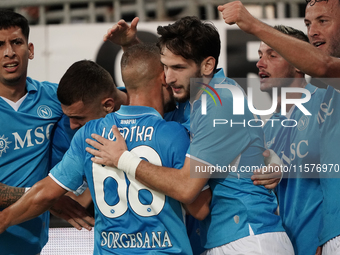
191	38
10	19
83	81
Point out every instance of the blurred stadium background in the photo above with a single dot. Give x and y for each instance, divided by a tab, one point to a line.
68	11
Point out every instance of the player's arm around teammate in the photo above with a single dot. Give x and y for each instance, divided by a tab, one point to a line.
304	56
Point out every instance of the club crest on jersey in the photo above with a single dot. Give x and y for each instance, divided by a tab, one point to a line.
303	123
44	112
3	144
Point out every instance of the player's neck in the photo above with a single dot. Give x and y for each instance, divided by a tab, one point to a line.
13	92
145	99
121	99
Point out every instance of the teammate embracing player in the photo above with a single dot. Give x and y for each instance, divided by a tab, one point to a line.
130	218
318	59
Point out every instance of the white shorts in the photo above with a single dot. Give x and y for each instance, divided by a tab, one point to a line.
277	243
332	247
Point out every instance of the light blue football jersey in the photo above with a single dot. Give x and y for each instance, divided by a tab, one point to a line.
181	114
329	147
299	192
130	218
238	207
24	158
275	134
61	140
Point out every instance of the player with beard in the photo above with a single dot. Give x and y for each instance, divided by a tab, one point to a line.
130	218
319	59
300	195
29	110
242	216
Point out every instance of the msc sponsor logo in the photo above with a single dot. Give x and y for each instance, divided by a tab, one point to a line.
32	137
3	144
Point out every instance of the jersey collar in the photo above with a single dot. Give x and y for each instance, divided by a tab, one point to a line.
30	86
137	110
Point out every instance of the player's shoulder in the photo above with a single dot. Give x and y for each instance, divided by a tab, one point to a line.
172	137
38	84
171	128
44	87
317	93
228	88
100	123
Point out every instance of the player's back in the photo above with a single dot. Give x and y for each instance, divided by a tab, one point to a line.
131	218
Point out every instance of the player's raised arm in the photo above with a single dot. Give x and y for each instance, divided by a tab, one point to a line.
302	55
123	34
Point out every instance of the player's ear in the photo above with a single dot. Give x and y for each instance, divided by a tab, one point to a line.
163	77
30	51
207	66
299	71
108	105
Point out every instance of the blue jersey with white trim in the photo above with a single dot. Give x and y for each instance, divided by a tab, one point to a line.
299	193
130	218
181	114
330	180
275	134
238	207
61	140
24	158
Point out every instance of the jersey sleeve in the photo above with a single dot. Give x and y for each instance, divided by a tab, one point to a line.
61	140
69	172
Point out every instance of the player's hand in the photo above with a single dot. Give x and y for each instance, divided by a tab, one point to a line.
318	250
123	34
70	210
107	152
271	175
236	13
